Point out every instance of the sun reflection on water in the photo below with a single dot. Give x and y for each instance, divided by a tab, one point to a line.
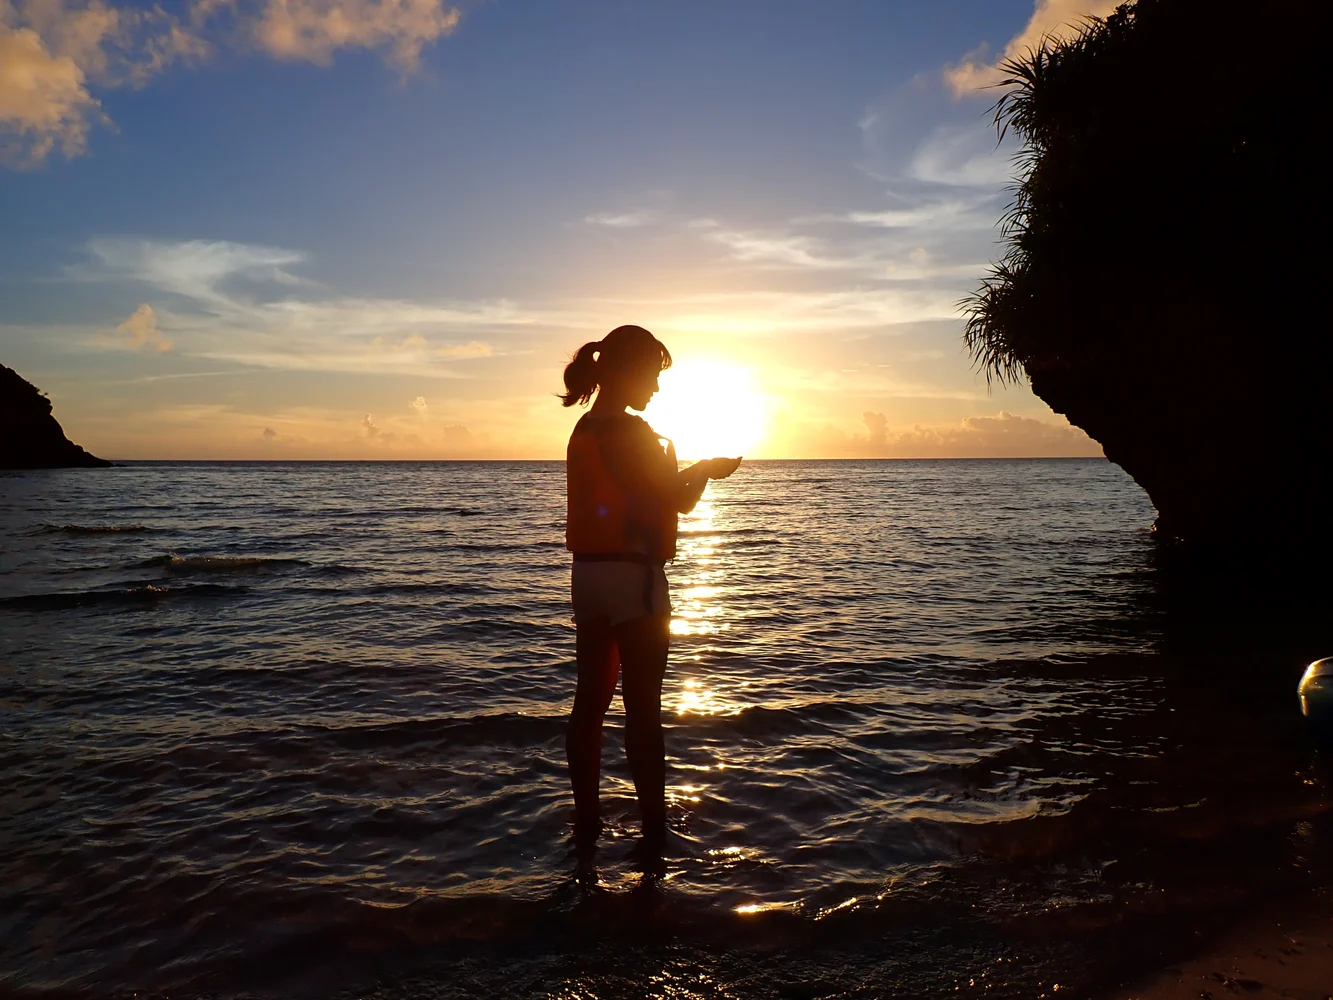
696	606
750	908
695	699
698	611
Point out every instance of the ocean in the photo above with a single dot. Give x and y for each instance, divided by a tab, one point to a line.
934	727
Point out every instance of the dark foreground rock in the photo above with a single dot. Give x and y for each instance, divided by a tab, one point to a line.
1166	261
30	437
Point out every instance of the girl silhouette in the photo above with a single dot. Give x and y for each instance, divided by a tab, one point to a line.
624	493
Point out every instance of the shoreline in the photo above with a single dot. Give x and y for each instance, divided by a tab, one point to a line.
1281	950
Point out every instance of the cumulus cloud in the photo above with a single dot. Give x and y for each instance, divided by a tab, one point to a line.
1003	435
44	102
419	404
314	30
462	442
1052	19
54	53
139	331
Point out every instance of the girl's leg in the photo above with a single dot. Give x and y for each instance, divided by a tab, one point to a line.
643	655
598	663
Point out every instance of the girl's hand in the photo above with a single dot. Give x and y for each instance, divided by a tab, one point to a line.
721	468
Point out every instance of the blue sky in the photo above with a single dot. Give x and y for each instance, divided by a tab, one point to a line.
376	228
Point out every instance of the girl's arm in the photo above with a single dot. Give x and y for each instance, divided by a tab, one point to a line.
695	478
643	465
691	483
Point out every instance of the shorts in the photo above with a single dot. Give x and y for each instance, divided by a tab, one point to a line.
618	591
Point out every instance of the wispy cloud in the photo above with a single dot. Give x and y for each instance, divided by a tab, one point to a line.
785	249
961	156
921	215
55	53
929	241
240	303
978	70
760	313
195	269
624	220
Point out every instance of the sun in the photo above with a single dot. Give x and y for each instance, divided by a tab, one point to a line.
709	408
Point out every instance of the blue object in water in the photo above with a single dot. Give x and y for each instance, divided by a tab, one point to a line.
1316	692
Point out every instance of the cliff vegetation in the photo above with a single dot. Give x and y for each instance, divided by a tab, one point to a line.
1166	256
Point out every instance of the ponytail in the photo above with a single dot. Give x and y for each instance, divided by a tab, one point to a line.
581	375
623	347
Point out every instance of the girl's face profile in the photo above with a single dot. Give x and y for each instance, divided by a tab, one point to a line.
635	384
640	386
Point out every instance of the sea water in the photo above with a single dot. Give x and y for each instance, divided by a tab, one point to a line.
298	727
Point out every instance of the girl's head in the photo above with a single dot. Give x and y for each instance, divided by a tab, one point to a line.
626	361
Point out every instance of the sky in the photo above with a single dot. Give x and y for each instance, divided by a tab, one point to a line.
357	229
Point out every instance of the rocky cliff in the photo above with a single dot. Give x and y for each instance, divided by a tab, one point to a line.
30	437
1166	254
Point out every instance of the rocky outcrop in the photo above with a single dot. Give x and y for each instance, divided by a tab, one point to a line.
1166	257
30	437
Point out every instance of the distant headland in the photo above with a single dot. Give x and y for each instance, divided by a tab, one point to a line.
1166	258
30	437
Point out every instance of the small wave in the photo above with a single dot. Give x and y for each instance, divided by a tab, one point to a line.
506	546
761	721
722	532
89	529
421	589
501	729
338	569
413	510
191	565
129	596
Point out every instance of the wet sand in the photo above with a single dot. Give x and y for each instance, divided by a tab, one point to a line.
1283	951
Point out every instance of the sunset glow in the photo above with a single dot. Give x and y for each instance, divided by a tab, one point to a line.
709	408
399	278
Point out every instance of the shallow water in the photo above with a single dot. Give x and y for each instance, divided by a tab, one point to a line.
296	727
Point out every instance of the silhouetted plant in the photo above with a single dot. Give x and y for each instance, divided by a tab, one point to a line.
1157	143
1165	254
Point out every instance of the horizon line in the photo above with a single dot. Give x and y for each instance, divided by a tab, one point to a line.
751	461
